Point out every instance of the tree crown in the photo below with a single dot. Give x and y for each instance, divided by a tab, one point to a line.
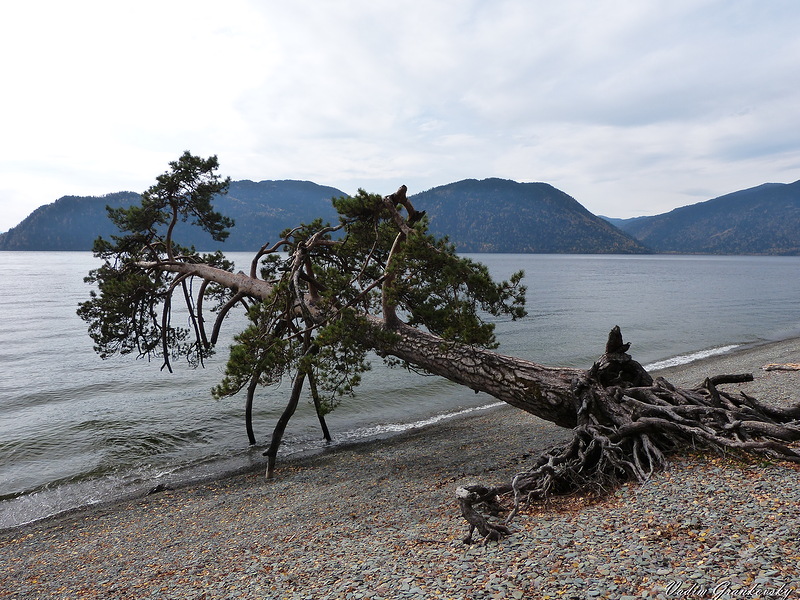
316	286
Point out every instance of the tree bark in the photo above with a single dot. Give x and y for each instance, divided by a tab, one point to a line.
550	393
248	409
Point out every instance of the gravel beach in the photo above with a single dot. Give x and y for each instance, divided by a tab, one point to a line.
379	520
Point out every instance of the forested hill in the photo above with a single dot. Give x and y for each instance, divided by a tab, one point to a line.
493	215
69	223
759	220
490	215
498	215
261	211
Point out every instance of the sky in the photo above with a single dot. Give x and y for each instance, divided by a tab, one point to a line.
631	107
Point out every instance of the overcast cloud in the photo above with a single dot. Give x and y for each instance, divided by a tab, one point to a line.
633	108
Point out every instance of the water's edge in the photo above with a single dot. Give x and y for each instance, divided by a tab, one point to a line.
362	437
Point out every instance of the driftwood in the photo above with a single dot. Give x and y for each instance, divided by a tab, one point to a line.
782	367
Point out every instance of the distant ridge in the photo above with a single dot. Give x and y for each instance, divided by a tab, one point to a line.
261	211
500	215
69	223
492	215
761	220
489	215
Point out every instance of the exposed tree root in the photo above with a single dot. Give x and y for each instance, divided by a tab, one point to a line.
628	426
471	495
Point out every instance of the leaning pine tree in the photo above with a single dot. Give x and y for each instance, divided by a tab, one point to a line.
323	296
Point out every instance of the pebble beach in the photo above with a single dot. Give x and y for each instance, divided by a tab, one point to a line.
378	520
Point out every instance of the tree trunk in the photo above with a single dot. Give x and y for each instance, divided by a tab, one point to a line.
326	434
248	409
283	421
625	424
550	393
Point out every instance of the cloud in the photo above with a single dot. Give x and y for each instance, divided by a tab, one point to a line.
622	105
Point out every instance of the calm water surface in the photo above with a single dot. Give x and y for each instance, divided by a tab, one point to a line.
75	429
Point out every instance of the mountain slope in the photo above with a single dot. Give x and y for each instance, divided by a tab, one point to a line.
261	211
69	223
499	215
493	215
760	220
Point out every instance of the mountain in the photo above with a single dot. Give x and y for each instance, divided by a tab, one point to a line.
499	215
69	223
261	211
620	223
760	220
492	215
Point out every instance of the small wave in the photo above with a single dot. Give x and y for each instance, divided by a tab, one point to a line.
56	498
101	486
368	432
685	359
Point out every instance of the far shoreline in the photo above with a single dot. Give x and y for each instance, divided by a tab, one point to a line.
747	358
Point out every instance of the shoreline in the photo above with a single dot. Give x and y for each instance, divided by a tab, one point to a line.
348	513
775	386
685	374
740	360
313	458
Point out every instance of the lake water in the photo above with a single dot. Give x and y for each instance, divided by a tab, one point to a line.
76	430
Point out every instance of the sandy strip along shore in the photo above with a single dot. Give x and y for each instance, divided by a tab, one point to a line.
378	520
